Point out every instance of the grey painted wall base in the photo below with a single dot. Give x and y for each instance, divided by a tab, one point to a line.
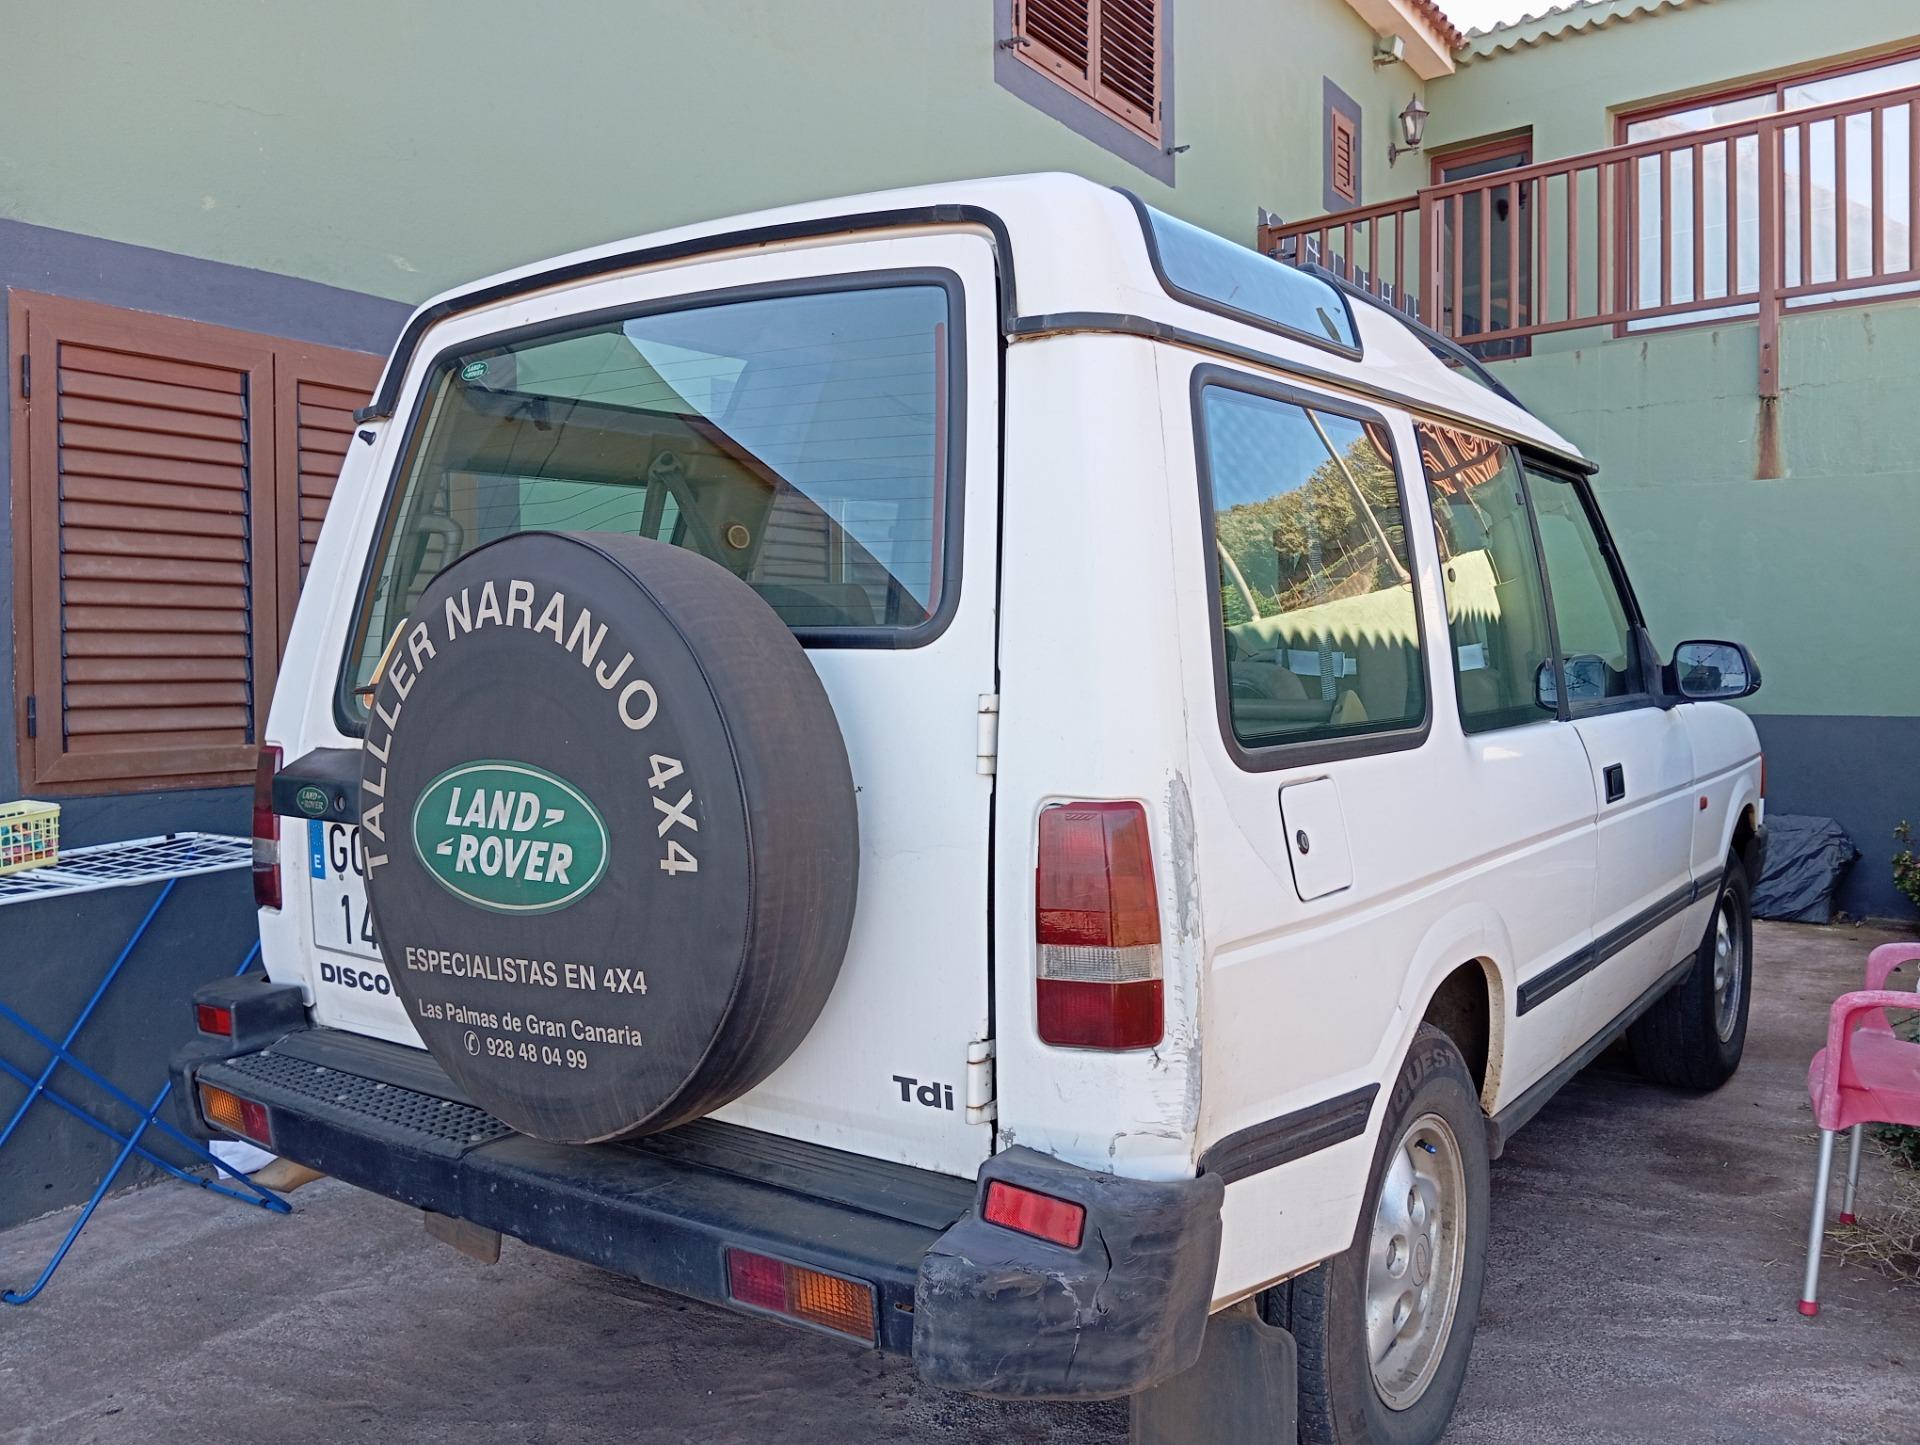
1863	771
53	953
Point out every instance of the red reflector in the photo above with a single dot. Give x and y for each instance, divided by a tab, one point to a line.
257	1126
1097	928
266	831
755	1280
213	1019
1041	1215
812	1296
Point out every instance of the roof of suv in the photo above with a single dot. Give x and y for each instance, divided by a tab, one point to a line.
1075	257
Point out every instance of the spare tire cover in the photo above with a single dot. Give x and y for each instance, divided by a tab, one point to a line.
610	833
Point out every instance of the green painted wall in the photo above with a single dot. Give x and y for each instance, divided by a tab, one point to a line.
401	149
1735	517
1813	564
1811	558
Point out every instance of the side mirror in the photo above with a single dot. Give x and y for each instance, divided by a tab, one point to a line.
1712	672
1586	681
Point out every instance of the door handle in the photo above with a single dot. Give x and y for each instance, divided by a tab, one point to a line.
1616	779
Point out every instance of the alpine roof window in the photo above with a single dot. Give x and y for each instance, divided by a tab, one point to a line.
1212	272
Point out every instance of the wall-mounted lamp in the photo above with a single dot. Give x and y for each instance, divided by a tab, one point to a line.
1413	126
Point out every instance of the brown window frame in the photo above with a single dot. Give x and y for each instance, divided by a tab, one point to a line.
1777	87
1746	90
1086	80
271	371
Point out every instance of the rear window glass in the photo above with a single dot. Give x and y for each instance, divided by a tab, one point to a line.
1321	633
1213	272
800	441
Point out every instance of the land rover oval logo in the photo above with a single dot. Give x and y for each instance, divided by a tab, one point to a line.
311	800
509	837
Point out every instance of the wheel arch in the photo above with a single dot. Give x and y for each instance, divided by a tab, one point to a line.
1744	835
1462	983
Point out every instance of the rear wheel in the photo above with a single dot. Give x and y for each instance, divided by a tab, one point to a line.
1385	1329
1694	1036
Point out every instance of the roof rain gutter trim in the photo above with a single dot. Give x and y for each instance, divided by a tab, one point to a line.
386	398
1065	323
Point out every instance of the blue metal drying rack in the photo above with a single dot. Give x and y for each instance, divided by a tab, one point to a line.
165	860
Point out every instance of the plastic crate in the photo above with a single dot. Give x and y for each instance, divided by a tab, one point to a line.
29	835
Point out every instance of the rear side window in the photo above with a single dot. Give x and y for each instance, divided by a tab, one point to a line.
801	441
1496	610
1320	634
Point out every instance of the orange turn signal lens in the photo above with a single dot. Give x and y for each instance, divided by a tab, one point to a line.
844	1306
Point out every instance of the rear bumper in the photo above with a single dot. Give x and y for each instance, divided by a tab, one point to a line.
978	1307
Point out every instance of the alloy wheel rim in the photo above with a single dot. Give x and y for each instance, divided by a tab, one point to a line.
1416	1256
1729	968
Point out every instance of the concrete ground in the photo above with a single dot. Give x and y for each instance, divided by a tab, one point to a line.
1645	1260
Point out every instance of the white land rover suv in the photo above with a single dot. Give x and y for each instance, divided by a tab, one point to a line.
984	771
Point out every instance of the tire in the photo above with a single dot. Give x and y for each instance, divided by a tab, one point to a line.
610	831
1692	1038
1343	1399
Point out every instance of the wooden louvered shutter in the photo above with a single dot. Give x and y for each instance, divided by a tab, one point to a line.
316	391
1342	160
148	507
1128	54
1108	50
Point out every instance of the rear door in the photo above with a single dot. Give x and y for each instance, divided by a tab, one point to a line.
823	421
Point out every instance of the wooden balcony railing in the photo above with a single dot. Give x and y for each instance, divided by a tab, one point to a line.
1781	213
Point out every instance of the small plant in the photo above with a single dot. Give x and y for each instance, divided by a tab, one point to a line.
1906	867
1901	1142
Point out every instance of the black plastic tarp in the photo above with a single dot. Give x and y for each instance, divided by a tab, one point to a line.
1806	859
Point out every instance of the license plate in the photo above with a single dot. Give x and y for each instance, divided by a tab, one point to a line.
337	869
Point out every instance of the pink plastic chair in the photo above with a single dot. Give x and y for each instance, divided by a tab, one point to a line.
1865	1075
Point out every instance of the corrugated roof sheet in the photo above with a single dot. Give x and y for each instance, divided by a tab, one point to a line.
1559	23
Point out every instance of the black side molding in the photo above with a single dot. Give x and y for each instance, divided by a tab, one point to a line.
323	784
1502	1125
1576	966
1260	1147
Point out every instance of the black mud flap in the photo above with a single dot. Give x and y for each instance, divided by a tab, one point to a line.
1244	1388
1005	1314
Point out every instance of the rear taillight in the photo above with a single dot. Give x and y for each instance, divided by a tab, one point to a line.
1026	1211
829	1301
266	831
212	1019
1763	775
236	1115
1098	928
